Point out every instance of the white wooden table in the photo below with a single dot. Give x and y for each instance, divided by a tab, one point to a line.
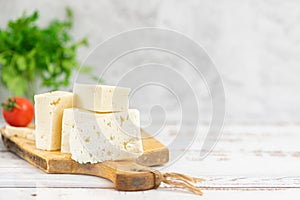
248	162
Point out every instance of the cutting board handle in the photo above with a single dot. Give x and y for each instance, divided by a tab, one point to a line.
130	176
126	175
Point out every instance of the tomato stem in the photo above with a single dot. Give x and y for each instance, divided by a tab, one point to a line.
10	104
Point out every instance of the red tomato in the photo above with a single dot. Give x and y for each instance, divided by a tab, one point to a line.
18	111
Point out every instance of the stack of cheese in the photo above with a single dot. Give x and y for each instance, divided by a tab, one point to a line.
94	123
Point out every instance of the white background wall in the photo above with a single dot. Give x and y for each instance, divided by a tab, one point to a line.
255	43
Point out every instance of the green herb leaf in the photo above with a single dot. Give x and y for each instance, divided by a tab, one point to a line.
30	54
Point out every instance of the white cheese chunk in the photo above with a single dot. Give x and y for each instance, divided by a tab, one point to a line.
49	109
100	98
68	124
23	132
96	137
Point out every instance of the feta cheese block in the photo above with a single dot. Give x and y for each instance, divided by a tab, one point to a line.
100	98
49	109
23	132
68	124
96	137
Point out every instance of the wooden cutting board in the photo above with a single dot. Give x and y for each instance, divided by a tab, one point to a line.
127	175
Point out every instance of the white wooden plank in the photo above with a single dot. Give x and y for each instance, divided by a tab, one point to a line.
96	194
217	173
33	177
22	177
26	177
248	156
227	163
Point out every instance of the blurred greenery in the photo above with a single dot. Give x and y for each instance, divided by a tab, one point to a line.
32	57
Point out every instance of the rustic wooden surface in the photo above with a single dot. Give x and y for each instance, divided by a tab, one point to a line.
248	162
126	175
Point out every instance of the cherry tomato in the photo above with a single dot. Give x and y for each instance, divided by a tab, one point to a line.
17	111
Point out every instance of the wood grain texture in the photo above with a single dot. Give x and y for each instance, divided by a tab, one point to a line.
249	161
159	194
126	175
155	153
